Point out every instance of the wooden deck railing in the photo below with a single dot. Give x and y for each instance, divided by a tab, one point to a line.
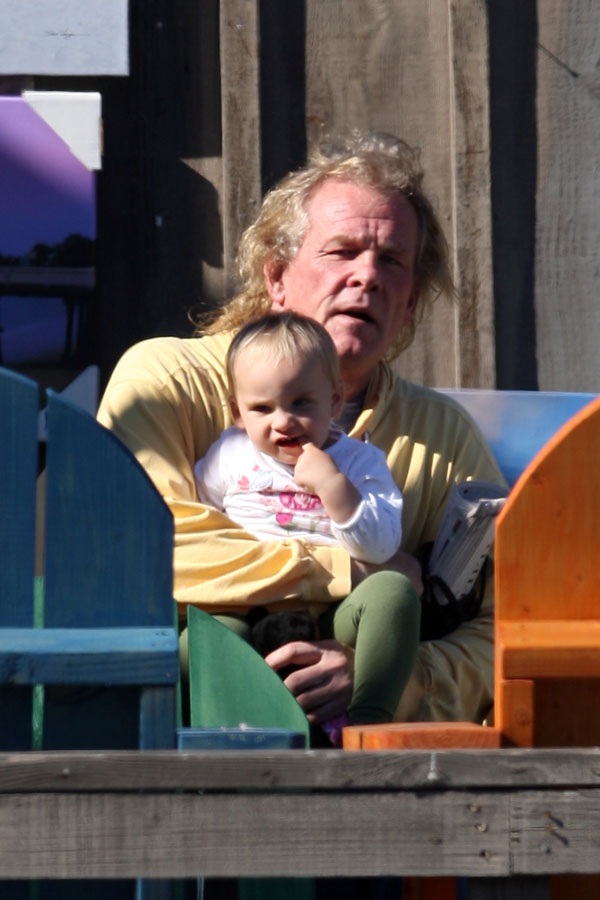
163	814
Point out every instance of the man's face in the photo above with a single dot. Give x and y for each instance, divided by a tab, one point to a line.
353	273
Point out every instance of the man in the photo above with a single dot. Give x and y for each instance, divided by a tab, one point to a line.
352	241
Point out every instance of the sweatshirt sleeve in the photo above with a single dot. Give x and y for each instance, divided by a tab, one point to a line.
168	414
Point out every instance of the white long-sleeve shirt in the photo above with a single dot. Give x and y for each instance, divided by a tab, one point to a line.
260	494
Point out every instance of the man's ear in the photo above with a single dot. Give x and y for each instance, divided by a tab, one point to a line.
337	401
274	271
413	301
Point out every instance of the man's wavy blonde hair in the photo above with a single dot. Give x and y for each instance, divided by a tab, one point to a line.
380	161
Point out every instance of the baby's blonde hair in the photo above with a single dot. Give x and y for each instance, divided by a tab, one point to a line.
286	335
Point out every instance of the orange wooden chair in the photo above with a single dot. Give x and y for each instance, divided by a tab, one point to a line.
547	621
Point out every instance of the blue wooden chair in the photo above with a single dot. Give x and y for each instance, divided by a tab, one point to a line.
105	661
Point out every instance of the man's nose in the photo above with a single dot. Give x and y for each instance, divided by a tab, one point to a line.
366	271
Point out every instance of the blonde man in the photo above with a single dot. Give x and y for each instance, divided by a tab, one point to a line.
352	242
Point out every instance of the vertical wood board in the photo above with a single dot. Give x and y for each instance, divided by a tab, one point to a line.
389	67
472	231
109	535
18	463
240	114
568	195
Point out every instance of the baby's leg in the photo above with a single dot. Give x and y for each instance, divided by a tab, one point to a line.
381	620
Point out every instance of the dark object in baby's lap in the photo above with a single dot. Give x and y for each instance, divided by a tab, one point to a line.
269	630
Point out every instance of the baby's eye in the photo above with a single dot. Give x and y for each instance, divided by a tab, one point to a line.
301	402
261	408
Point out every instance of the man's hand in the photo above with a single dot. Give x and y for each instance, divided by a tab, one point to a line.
400	562
323	686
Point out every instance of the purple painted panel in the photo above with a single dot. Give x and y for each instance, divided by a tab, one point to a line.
47	232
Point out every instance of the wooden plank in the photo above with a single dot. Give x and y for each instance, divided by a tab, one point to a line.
119	549
420	735
19	403
321	771
88	656
514	707
568	190
559	649
472	220
64	37
186	835
555	833
240	115
420	71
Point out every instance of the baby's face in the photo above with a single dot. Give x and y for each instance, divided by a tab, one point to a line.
283	403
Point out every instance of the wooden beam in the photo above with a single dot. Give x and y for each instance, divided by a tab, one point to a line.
471	216
141	655
239	34
98	835
325	771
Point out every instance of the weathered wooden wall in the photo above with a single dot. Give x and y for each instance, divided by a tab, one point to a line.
567	271
501	96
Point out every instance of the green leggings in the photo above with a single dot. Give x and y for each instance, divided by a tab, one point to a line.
381	620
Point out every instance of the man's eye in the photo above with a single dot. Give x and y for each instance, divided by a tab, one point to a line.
392	260
342	252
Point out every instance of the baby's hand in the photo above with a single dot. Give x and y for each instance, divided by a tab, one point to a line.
313	469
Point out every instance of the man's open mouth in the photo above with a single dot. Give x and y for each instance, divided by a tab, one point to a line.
361	314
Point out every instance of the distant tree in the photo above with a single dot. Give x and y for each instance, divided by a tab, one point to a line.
38	255
75	250
9	260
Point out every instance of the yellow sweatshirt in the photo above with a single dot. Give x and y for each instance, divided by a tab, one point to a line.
167	400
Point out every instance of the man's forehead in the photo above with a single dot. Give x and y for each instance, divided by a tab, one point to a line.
355	206
344	211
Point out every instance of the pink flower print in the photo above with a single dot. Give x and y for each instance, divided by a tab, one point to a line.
243	483
284	519
299	500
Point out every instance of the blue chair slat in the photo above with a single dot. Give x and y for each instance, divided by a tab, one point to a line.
83	655
109	534
108	563
239	739
19	405
517	424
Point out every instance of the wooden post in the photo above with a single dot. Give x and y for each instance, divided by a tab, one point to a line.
240	114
